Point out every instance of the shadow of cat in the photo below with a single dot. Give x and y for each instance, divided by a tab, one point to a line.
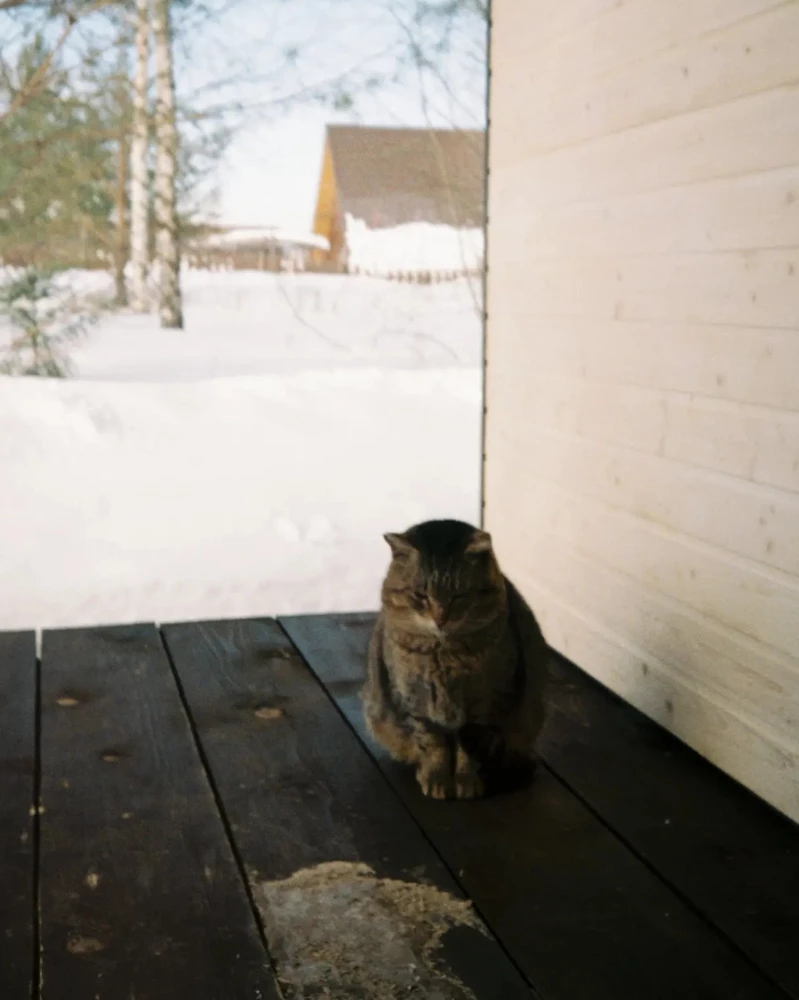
501	774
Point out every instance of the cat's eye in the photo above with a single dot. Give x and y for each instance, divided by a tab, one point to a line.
419	596
472	595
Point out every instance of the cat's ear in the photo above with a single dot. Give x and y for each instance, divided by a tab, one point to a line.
399	544
479	542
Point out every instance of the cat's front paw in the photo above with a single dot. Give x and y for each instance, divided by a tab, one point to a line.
436	783
469	786
469	782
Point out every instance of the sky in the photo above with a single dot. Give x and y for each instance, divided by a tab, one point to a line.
286	60
278	71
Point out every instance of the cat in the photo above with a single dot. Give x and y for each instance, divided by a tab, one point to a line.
456	664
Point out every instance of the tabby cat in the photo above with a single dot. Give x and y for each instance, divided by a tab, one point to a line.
456	664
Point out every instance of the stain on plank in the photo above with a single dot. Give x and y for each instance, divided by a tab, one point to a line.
338	931
17	791
130	831
580	914
301	792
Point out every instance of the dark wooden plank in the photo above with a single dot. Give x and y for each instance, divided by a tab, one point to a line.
578	911
140	894
17	794
733	856
301	791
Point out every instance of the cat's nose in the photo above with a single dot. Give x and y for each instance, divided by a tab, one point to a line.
438	613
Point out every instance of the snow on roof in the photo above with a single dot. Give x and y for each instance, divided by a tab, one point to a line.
415	247
259	236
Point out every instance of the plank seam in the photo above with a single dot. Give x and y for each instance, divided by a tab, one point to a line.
765	411
653	123
558	256
36	806
535	995
619	67
714	696
679	535
589	322
220	807
755	488
603	201
606	316
776	576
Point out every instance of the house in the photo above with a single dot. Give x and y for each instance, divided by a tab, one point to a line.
377	179
262	248
641	477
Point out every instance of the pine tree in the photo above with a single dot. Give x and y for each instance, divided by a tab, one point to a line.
57	166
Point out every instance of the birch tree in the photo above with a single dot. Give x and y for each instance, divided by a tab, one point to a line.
139	172
121	109
170	307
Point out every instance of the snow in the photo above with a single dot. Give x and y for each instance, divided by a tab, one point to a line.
245	466
250	235
415	247
247	322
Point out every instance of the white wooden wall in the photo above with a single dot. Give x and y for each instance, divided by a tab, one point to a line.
642	438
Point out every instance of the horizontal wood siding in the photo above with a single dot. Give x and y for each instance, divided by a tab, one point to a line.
642	384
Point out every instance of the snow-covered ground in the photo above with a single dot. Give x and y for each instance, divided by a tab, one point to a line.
246	323
245	466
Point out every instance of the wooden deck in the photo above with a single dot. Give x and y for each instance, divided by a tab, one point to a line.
185	778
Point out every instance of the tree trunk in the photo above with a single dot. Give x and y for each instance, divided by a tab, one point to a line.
139	187
121	247
167	245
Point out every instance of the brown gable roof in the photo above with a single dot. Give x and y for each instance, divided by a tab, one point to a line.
388	176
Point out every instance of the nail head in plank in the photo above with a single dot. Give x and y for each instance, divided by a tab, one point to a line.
579	912
719	845
140	893
299	788
17	793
